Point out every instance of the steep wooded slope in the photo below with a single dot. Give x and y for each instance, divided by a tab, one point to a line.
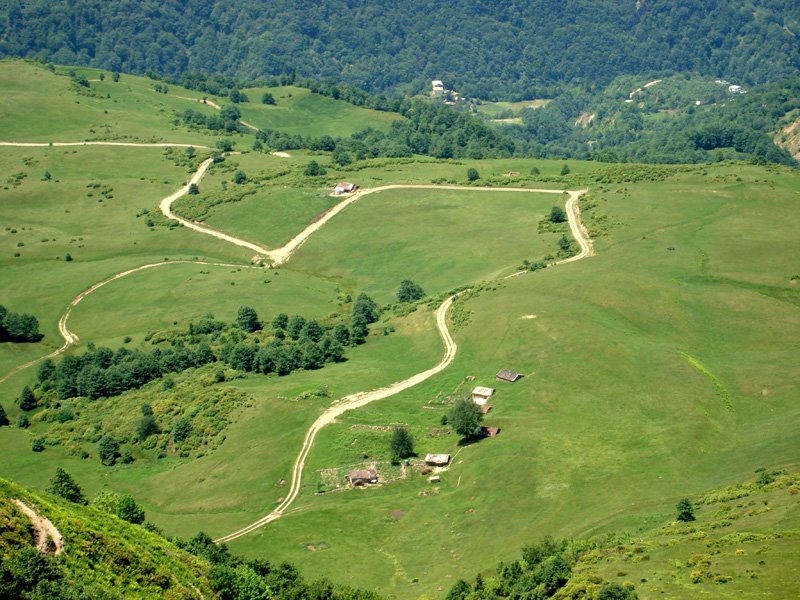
491	49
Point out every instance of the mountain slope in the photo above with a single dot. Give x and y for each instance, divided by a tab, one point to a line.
493	49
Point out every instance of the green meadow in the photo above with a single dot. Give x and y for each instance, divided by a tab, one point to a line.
663	367
300	111
441	239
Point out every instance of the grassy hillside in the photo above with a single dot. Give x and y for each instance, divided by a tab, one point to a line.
103	556
299	111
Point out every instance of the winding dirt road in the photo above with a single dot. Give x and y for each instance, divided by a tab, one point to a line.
351	402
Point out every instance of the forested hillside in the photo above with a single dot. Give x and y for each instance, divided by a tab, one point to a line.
493	49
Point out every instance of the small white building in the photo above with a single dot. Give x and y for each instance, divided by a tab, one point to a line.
437	460
344	187
481	395
437	87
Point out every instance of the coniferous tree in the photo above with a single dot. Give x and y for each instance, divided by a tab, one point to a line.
62	484
26	401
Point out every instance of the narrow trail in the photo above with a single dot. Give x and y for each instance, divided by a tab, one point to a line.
213	104
166	209
46	532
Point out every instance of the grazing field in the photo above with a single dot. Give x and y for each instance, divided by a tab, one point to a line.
126	110
440	238
274	204
300	111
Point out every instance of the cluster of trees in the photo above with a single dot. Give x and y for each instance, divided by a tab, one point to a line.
227	119
234	578
18	327
498	50
544	569
102	372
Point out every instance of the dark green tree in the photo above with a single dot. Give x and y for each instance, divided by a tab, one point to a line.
465	417
366	307
129	510
38	444
401	444
193	189
3	417
534	171
295	326
685	510
313	169
472	174
312	356
108	450
182	429
280	321
614	591
409	291
247	319
565	170
26	400
147	426
267	98
23	422
341	157
62	484
358	330
557	215
239	177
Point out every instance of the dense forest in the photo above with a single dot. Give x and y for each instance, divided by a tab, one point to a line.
492	49
660	127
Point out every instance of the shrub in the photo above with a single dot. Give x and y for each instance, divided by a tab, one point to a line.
409	291
37	445
685	510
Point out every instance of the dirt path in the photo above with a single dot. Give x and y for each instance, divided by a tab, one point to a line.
280	256
47	536
166	209
213	104
128	144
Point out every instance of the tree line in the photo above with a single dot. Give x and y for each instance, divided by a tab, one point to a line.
18	327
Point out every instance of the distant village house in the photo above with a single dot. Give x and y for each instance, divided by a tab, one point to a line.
437	460
489	431
344	187
362	477
481	395
437	87
507	375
